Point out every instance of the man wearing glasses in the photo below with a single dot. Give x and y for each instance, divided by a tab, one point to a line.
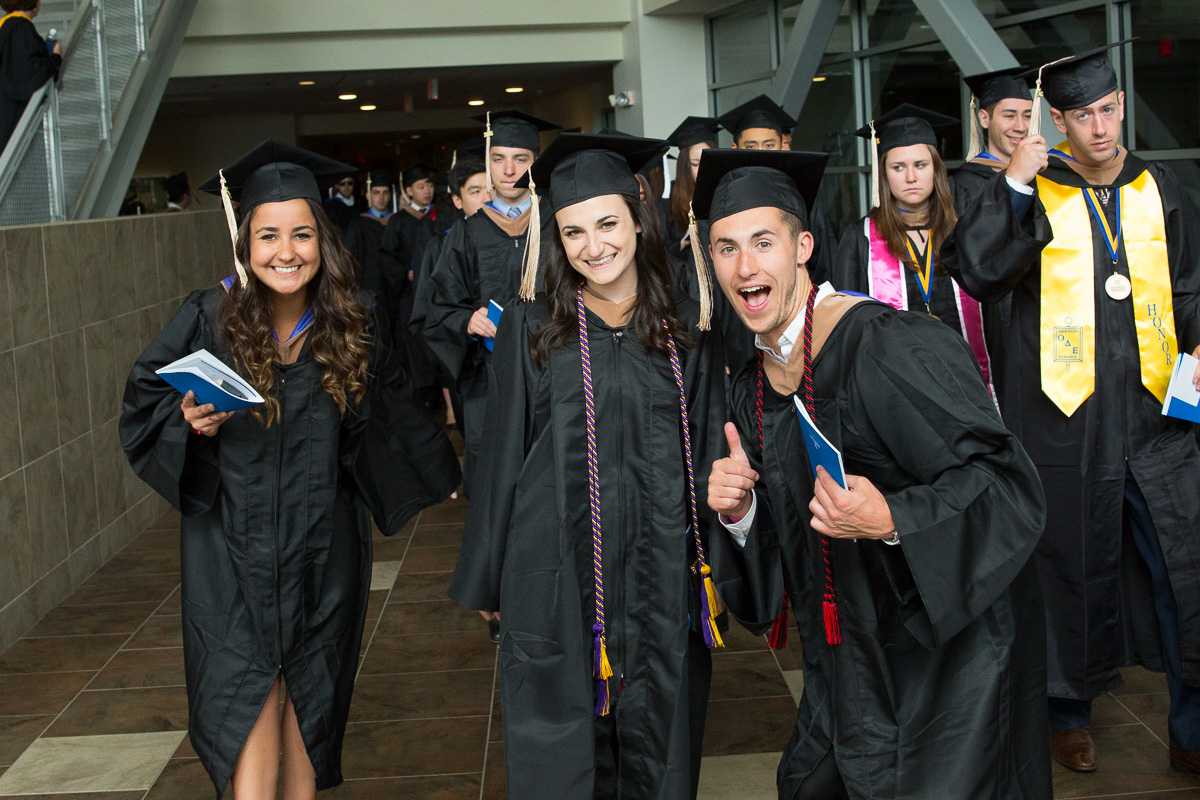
344	205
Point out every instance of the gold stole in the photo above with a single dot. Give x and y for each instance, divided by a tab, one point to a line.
1068	295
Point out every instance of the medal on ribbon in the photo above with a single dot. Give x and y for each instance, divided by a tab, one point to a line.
924	272
1117	286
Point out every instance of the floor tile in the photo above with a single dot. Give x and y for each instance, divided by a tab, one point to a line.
739	640
421	586
17	733
746	777
40	694
1141	681
141	562
1106	710
139	669
441	616
741	675
792	656
424	747
137	795
383	575
739	727
167	522
124	711
159	631
392	549
443	514
444	535
436	787
379	698
430	559
795	682
1130	759
430	651
183	779
84	620
155	540
185	750
60	654
375	603
1152	710
90	764
128	589
172	605
494	787
496	731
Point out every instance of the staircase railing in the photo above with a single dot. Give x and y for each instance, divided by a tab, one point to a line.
57	158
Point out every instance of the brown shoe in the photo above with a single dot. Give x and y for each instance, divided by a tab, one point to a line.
1185	760
1074	749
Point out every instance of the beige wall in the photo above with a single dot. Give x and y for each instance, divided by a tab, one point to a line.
78	303
202	145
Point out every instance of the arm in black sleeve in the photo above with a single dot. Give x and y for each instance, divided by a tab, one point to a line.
28	65
1183	256
452	301
849	271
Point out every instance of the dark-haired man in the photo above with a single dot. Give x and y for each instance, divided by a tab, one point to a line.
919	614
344	205
364	235
1005	109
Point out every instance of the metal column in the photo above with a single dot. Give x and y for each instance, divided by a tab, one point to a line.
801	58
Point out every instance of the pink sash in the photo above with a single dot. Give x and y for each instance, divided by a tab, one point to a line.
886	283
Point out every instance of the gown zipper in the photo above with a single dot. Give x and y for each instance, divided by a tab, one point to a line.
618	337
275	516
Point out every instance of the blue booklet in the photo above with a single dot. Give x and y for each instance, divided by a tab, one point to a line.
1183	401
210	380
821	453
494	312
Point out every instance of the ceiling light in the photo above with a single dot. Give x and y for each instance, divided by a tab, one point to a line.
416	136
514	90
474	102
347	97
308	83
366	108
818	79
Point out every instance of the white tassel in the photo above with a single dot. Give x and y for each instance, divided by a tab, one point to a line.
533	244
227	203
1035	124
874	168
703	276
666	195
487	153
975	148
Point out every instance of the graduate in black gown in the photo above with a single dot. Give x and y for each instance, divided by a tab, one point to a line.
481	262
343	205
585	533
917	606
364	234
892	253
276	538
1099	253
1001	108
25	64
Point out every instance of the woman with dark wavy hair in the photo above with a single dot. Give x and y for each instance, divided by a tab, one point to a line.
585	537
276	539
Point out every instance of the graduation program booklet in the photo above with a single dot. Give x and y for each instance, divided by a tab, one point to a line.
1183	401
821	453
210	380
494	312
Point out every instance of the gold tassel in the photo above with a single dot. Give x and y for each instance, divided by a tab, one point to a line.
714	607
703	277
533	244
1035	124
976	145
605	667
487	153
231	220
874	168
454	160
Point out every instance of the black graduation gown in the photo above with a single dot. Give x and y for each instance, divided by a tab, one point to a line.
340	214
422	290
479	262
968	181
404	240
1098	601
527	552
937	689
276	544
363	237
25	66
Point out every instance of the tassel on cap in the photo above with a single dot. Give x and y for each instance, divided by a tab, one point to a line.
704	278
874	167
976	145
666	195
454	159
533	243
1035	124
227	204
487	153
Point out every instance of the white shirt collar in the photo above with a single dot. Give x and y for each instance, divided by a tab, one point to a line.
795	330
347	200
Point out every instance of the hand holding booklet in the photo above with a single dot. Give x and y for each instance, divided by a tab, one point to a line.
1183	401
210	380
494	312
821	453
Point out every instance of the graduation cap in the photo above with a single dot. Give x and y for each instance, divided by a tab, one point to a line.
470	148
417	172
272	172
177	185
379	177
989	88
695	130
759	112
904	125
1075	81
511	129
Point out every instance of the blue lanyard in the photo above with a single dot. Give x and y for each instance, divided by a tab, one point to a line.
1112	238
987	155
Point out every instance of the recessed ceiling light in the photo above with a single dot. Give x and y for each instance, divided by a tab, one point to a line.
818	79
366	108
347	97
308	83
416	136
474	102
514	90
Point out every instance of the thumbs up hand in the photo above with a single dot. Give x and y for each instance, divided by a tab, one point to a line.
731	482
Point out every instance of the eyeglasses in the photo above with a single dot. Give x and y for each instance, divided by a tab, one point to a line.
347	182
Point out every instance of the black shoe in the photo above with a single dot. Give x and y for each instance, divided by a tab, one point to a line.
494	630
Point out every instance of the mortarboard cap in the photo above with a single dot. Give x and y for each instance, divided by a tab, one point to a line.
514	129
580	166
904	125
1079	80
990	88
272	172
379	177
732	181
759	112
694	130
417	172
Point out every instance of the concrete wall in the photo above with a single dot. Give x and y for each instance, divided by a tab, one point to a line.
78	303
202	145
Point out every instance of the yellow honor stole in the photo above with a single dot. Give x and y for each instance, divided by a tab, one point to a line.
1068	295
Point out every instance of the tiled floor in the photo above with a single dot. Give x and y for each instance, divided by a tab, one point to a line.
93	707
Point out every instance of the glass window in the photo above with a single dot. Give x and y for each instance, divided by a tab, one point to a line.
1166	75
1046	40
840	41
925	76
994	9
827	120
733	96
890	21
741	45
1188	172
839	198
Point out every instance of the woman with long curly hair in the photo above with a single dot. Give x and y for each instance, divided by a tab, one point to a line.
276	540
585	536
892	254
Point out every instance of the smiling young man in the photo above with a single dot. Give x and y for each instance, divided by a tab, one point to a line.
920	618
1005	108
481	262
1096	324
